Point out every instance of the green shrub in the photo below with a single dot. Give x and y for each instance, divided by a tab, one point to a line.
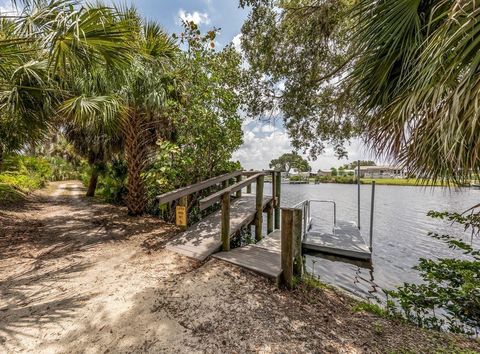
9	193
296	178
62	170
21	174
449	297
112	181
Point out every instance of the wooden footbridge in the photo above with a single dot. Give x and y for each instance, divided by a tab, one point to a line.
277	256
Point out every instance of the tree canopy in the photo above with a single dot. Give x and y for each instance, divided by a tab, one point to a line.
416	81
118	86
297	51
286	162
402	74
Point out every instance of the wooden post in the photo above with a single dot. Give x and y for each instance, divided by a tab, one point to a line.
287	247
274	185
239	193
226	221
259	206
183	202
225	184
297	241
270	218
276	193
249	189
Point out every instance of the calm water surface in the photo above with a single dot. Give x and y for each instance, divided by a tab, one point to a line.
400	235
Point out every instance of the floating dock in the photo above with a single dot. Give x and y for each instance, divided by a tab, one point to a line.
345	241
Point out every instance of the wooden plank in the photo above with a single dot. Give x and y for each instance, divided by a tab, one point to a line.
260	260
215	198
272	242
185	191
203	238
252	173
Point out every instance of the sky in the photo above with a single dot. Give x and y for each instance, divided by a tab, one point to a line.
263	141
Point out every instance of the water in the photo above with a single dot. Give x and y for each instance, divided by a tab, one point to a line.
401	229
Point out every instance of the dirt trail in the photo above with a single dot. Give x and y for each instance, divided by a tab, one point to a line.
78	276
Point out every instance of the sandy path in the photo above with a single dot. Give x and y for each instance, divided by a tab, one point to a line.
74	273
78	276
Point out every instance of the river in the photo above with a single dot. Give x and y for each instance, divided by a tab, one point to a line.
400	233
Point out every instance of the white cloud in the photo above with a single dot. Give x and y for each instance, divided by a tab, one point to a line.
7	8
264	128
197	17
264	142
236	41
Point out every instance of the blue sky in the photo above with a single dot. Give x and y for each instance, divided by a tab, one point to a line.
263	141
223	14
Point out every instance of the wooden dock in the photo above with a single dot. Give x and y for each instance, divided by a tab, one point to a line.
204	238
278	255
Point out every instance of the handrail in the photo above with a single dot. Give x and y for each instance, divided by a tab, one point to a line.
251	173
216	197
184	191
334	208
305	206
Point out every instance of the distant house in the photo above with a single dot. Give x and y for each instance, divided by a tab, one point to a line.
381	172
346	172
321	173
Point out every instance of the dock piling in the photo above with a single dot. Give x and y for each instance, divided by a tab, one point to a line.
291	245
276	193
259	206
297	240
225	221
372	209
287	247
239	192
270	218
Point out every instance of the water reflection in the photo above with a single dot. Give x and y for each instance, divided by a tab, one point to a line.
401	229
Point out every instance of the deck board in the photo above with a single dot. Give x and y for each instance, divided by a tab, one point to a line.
347	241
263	258
203	238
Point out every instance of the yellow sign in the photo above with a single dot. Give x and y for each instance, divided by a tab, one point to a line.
181	214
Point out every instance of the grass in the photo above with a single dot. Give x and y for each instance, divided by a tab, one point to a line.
10	194
372	308
402	182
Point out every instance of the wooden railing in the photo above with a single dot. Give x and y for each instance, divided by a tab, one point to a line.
224	197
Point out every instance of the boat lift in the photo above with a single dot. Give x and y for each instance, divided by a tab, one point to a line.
346	239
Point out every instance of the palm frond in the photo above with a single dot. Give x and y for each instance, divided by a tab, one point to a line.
418	83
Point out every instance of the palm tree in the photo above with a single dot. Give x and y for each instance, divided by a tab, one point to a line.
128	103
145	95
417	81
42	49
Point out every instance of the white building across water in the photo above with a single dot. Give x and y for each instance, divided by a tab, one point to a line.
381	172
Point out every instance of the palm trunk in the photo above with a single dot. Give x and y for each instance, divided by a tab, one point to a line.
1	158
92	185
136	155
